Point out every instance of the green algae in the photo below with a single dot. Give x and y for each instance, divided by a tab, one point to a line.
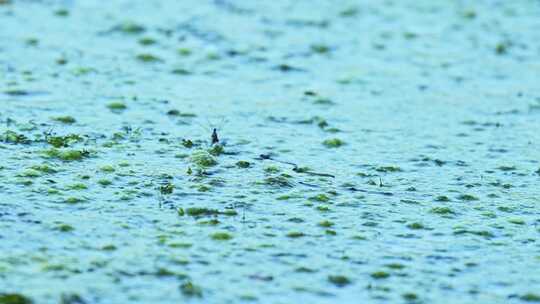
202	159
14	298
66	155
74	200
147	41
325	224
442	210
221	236
130	27
148	58
530	297
295	234
64	228
63	141
333	143
467	197
104	182
243	164
278	181
409	296
416	226
116	106
442	198
189	289
216	150
380	275
214	78
14	138
339	280
197	211
388	169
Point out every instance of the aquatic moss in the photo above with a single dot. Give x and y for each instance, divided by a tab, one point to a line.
516	221
195	211
31	173
278	181
441	210
109	247
107	169
442	198
147	41
530	297
14	298
320	48
15	138
339	280
66	155
272	169
130	27
396	266
189	289
65	119
326	224
333	143
74	200
180	71
221	236
243	164
320	198
482	233
467	197
330	232
216	150
323	101
415	226
203	159
388	169
104	182
63	141
323	208
148	58
184	51
187	143
72	298
203	188
409	296
64	228
116	106
295	234
77	186
229	212
44	168
380	275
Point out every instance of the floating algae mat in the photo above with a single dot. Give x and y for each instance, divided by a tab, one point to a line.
364	152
